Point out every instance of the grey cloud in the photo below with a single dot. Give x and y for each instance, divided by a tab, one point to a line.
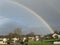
48	9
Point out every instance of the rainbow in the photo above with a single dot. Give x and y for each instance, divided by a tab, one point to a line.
35	14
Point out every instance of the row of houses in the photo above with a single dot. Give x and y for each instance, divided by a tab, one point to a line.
4	39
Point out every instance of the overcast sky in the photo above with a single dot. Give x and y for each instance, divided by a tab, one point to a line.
14	15
48	9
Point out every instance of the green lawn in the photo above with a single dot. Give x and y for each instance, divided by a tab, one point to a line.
38	43
41	43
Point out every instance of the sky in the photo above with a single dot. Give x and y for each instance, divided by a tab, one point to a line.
47	9
13	16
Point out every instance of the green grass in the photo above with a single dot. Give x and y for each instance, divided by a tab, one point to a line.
38	43
41	43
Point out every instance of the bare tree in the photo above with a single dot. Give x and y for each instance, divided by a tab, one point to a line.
18	31
31	34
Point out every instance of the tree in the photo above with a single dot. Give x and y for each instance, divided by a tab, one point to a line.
59	32
10	36
56	32
17	31
31	34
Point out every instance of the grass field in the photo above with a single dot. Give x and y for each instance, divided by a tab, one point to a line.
41	43
37	43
